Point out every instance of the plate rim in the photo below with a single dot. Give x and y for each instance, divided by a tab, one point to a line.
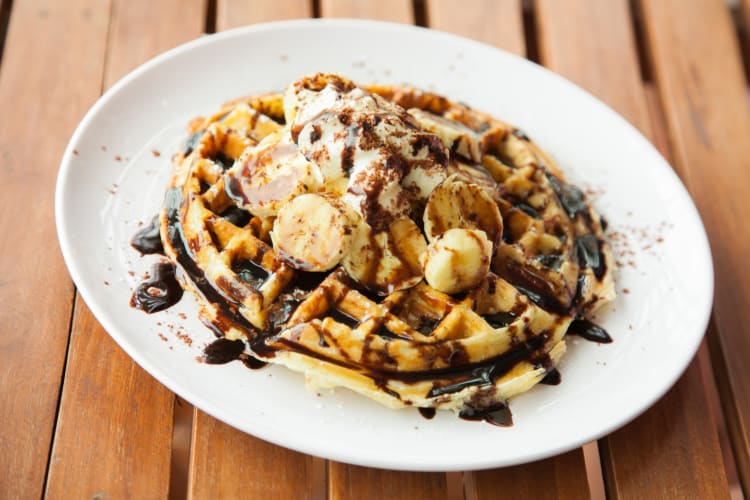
268	434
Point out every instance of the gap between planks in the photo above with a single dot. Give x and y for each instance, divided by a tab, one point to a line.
5	8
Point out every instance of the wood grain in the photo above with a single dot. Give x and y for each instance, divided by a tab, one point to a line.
114	430
50	74
226	463
123	416
702	85
669	452
142	29
233	13
349	481
604	61
601	58
560	477
496	22
397	11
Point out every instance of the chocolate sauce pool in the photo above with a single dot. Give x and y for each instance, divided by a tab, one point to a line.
148	239
158	292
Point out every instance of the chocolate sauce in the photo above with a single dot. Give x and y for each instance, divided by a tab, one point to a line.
341	317
158	292
315	133
571	198
222	160
192	142
281	310
520	134
458	376
148	239
427	413
533	284
499	320
588	253
486	372
552	377
237	216
589	331
427	325
251	273
253	363
527	209
385	333
222	351
552	261
233	189
307	281
499	415
228	311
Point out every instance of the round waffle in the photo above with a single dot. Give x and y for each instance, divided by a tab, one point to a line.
360	313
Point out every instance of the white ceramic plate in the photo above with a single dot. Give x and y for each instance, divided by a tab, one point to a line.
110	179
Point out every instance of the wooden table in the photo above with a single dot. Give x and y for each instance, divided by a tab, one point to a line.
79	419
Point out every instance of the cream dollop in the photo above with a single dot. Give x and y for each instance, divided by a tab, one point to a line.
390	163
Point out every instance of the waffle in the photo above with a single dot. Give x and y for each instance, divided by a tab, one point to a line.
385	331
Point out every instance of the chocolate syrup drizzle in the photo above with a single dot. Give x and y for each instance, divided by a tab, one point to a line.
161	292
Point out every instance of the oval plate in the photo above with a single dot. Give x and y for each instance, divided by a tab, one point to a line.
115	168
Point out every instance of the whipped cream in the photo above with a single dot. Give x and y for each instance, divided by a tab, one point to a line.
349	133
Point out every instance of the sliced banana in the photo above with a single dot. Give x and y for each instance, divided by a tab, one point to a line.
269	175
457	260
458	204
314	232
388	260
456	136
474	174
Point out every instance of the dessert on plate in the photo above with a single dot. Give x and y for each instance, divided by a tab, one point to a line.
387	240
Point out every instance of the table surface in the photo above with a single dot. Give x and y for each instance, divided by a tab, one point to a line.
81	419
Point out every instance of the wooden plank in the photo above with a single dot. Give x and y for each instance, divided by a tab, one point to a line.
51	73
702	85
349	481
660	455
142	29
114	430
226	463
219	453
123	416
642	459
496	22
560	477
602	58
397	11
233	13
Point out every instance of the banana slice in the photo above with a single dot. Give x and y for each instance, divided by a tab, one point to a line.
458	204
314	232
269	175
457	260
387	261
456	136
